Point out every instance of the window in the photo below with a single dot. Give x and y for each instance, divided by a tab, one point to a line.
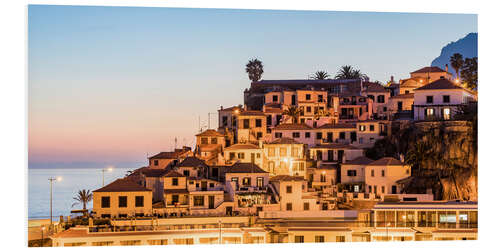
247	181
308	134
296	134
277	134
105	202
122	201
234	179
269	120
320	98
139	201
289	207
185	172
446	114
362	128
342	135
156	162
224	121
260	181
275	98
259	135
295	152
369	189
246	123
371	97
323	177
446	99
319	135
381	99
258	123
288	189
232	155
257	156
271	151
373	173
214	140
283	152
241	155
175	181
429	99
308	96
308	109
340	238
204	140
360	140
372	128
383	173
306	206
429	112
383	189
198	200
351	172
299	239
175	198
400	106
319	238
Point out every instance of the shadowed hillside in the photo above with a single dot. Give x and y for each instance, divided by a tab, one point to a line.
466	46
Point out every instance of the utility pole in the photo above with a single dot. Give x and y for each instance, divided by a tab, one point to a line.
51	180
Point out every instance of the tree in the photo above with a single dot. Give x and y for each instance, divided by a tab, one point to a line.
456	61
83	197
293	112
348	72
469	72
320	75
255	69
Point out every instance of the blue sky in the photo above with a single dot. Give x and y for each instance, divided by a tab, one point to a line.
114	84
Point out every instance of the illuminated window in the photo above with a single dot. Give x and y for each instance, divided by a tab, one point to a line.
446	113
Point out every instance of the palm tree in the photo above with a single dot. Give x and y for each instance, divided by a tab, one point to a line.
320	75
457	61
348	72
255	69
83	197
293	112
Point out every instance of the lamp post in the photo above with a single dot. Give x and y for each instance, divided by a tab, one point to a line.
109	169
51	180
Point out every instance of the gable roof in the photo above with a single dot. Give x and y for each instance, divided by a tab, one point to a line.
386	161
431	69
362	160
154	172
374	87
122	185
440	84
243	167
292	126
171	155
252	113
173	173
192	161
210	132
335	146
403	96
284	140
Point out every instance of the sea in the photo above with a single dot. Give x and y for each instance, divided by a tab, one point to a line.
63	191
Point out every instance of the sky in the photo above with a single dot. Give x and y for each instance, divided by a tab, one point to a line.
113	85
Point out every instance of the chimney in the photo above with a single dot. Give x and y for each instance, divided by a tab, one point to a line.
392	79
221	107
446	68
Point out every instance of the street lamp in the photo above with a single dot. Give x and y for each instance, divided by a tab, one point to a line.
109	169
52	179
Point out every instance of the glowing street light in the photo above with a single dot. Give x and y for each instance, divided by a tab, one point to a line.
109	169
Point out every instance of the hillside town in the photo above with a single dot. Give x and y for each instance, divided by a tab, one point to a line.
294	163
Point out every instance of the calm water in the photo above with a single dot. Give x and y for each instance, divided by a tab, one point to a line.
63	191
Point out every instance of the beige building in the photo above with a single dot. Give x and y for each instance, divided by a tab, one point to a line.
368	132
122	198
251	126
381	176
164	159
249	153
209	144
285	156
353	174
292	197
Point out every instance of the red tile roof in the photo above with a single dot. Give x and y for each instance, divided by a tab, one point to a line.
362	160
171	155
252	113
242	146
337	125
285	140
334	146
287	178
175	191
386	161
173	173
429	69
241	167
210	132
292	126
404	96
192	161
374	87
122	185
440	84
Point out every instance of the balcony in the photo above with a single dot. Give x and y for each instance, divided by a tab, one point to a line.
251	189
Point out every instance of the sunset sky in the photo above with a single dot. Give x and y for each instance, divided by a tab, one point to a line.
110	85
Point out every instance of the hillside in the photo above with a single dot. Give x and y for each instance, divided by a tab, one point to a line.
466	46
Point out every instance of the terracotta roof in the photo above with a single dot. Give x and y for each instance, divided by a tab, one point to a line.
287	178
173	173
386	161
374	87
154	172
241	167
192	161
337	125
231	108
170	155
292	126
335	145
362	160
404	96
429	69
285	140
210	132
327	166
122	185
440	84
242	146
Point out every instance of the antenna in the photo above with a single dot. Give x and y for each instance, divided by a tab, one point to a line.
175	145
